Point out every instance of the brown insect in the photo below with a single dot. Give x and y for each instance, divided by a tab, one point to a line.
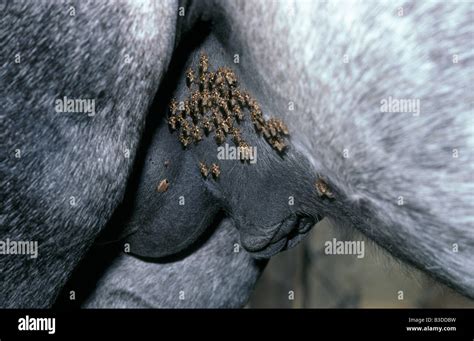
162	186
203	169
172	122
219	77
252	103
222	104
224	92
244	145
185	141
228	124
225	127
266	133
238	140
220	136
227	112
190	77
323	189
245	150
215	170
203	63
207	125
233	102
257	116
204	81
218	119
229	121
234	131
197	118
187	109
206	99
230	77
237	95
272	130
194	102
196	133
236	136
185	128
215	97
279	145
283	128
211	79
239	115
173	106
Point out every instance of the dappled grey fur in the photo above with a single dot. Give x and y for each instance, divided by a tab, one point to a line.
296	53
66	155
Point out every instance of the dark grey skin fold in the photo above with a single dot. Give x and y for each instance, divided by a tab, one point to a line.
264	200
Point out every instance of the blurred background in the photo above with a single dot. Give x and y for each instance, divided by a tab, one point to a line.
305	277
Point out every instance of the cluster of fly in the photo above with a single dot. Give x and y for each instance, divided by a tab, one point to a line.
216	105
